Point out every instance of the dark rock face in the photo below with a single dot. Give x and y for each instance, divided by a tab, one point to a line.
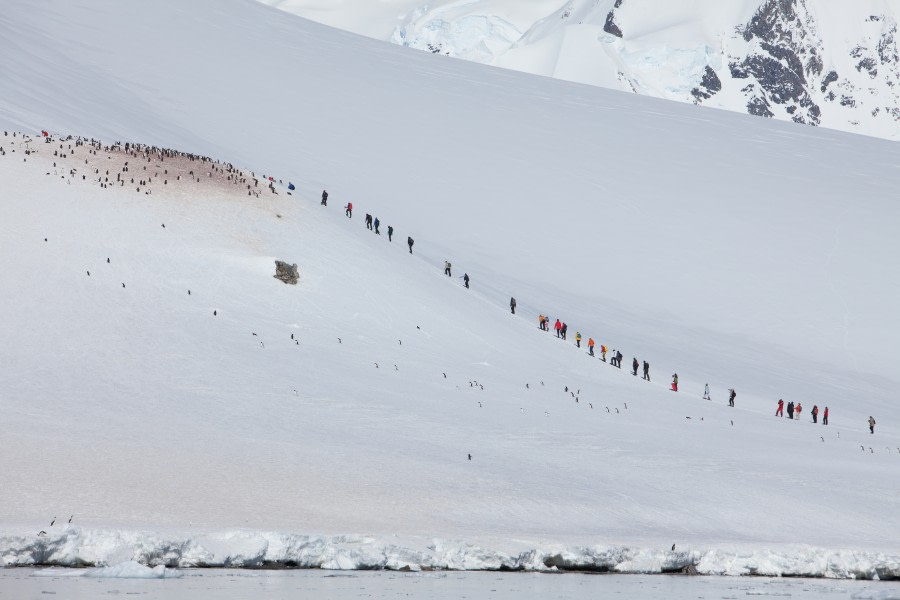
785	69
759	107
709	85
610	25
287	273
785	43
830	78
867	63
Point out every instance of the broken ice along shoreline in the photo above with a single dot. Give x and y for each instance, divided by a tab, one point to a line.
78	547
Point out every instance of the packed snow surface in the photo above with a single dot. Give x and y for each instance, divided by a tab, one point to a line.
737	252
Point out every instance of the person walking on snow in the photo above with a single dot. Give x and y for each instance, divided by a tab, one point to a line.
798	409
409	242
558	328
368	221
541	322
602	352
825	416
791	410
780	411
815	413
731	395
390	232
618	359
377	223
674	382
578	339
564	330
512	305
591	346
324	198
871	424
466	280
348	210
634	365
646	370
447	268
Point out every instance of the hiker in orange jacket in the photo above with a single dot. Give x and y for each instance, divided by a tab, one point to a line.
591	346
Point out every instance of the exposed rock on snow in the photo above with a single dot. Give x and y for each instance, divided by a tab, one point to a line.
782	35
709	85
610	25
286	273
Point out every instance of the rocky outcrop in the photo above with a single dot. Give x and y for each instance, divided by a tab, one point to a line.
783	65
610	25
784	55
709	85
287	273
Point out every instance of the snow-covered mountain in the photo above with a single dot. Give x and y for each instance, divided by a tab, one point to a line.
834	64
188	408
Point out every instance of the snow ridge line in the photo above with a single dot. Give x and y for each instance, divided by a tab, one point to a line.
78	547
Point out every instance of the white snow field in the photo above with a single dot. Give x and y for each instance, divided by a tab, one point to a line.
735	251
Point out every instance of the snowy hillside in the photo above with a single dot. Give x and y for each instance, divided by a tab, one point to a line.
235	420
830	64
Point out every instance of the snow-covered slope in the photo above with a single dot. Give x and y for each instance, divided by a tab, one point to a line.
735	251
822	63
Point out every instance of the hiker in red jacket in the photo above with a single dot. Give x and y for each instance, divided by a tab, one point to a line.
349	210
558	327
815	413
825	416
780	411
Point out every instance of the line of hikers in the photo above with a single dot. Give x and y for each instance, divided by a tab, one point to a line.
794	410
371	224
562	329
374	224
615	359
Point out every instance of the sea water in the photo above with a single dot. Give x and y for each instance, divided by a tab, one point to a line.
228	584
